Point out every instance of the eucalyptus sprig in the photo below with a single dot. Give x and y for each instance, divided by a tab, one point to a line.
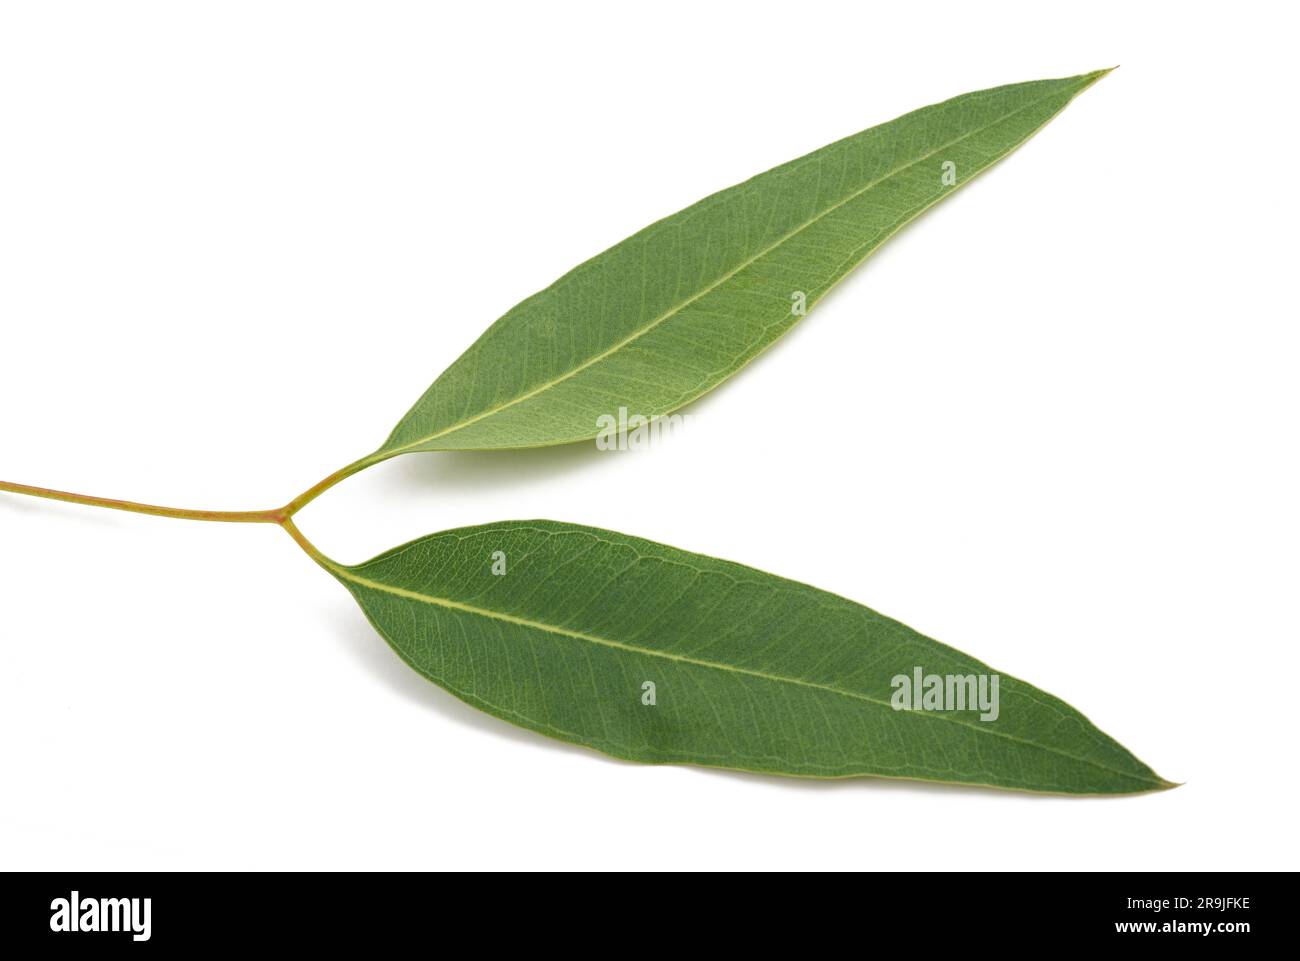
654	654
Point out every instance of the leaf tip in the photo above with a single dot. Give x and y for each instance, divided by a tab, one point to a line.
1090	78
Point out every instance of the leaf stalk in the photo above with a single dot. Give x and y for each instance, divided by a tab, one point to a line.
277	515
280	516
180	513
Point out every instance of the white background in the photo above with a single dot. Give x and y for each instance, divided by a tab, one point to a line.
1053	423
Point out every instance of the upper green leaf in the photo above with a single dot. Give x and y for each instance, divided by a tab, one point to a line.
655	654
671	312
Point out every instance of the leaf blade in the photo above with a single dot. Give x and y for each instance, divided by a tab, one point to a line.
663	317
752	671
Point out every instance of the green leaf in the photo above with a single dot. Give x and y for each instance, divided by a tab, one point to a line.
560	628
670	313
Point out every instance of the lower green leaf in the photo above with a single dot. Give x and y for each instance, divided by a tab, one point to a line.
654	654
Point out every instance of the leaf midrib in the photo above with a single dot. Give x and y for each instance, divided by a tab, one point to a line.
678	308
448	603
